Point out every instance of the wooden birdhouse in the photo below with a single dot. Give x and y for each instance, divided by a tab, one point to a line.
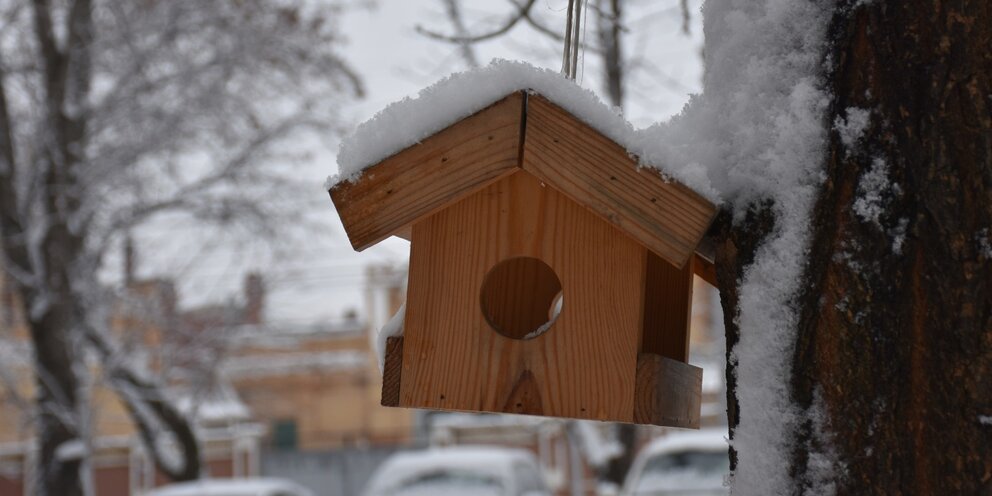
549	274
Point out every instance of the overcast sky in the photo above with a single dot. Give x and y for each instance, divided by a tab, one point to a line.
319	277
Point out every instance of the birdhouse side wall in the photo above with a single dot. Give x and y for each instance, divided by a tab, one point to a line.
584	366
667	309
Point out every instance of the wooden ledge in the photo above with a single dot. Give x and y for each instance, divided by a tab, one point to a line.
392	371
667	392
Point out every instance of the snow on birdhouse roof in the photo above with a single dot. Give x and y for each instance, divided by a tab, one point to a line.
424	154
409	121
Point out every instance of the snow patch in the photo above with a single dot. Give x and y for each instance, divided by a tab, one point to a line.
845	256
758	132
74	449
41	305
824	465
874	188
292	363
898	234
984	244
985	419
598	448
853	126
219	404
392	328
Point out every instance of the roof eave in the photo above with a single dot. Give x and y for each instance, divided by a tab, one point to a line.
433	174
531	133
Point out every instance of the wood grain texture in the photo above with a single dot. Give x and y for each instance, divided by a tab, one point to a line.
705	269
405	232
668	392
667	309
392	371
668	218
431	175
525	397
583	367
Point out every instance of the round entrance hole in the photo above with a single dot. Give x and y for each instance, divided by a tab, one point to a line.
521	297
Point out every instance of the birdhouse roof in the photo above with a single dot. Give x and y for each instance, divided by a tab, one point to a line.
419	156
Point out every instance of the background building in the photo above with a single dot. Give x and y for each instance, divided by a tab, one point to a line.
253	388
297	401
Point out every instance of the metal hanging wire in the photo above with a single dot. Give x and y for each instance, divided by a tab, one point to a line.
570	53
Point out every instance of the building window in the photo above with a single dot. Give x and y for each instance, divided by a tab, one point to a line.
284	434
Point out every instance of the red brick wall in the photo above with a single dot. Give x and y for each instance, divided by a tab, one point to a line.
10	487
111	481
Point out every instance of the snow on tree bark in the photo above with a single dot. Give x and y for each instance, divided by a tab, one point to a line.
896	326
893	357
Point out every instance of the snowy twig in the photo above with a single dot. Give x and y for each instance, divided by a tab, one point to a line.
523	12
153	414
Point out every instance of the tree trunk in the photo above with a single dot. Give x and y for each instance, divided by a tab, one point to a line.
894	338
44	244
610	27
57	399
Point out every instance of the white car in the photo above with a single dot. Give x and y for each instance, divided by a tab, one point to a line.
681	464
460	470
261	486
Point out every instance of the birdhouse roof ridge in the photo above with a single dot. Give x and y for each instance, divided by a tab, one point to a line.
524	133
408	122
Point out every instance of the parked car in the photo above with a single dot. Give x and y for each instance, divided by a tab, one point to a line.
260	486
460	470
681	464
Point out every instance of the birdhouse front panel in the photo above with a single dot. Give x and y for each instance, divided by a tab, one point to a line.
521	300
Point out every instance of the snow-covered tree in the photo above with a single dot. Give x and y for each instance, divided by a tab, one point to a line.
851	142
113	112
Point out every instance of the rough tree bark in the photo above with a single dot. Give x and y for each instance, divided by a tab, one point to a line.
894	339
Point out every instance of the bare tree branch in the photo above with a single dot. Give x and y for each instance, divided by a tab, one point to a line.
453	9
152	413
10	226
523	12
51	57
